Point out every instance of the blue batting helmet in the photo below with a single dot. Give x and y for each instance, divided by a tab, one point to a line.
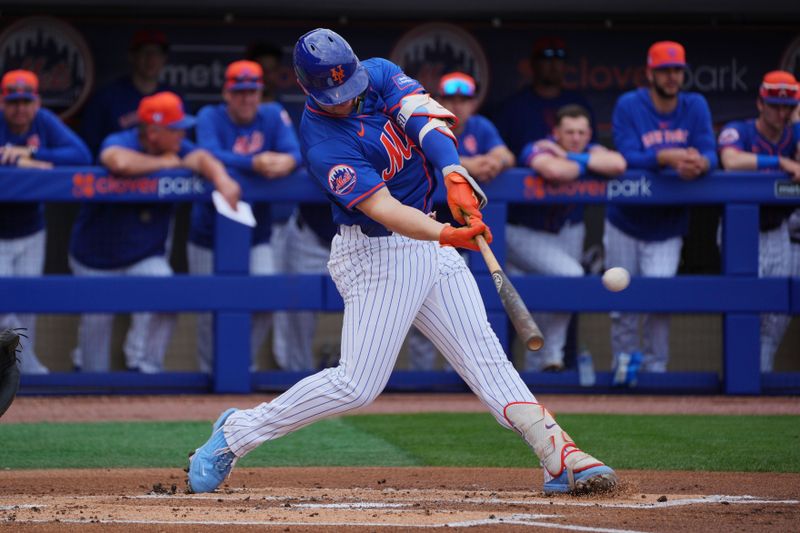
327	68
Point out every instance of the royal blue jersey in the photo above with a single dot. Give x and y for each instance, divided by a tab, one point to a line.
235	145
478	137
55	143
743	135
354	156
112	108
640	132
526	116
117	235
550	218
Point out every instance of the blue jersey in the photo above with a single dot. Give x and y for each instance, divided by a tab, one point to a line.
743	135
235	145
354	156
478	137
639	133
112	108
109	236
550	218
527	116
55	143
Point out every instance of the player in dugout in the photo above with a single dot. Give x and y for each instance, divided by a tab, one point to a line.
258	140
655	128
30	137
372	137
131	239
768	142
549	239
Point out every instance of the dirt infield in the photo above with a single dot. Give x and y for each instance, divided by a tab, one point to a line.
388	499
392	499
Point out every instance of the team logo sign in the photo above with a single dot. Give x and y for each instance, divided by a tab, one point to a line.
58	55
431	50
341	179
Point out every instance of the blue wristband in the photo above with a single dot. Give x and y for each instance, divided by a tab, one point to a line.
581	159
767	161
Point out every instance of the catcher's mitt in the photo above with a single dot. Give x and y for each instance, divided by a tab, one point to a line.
9	373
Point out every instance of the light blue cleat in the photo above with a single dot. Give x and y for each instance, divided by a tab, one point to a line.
211	463
594	479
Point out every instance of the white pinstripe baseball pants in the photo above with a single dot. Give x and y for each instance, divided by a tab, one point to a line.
774	260
24	256
201	261
531	251
656	259
150	331
388	284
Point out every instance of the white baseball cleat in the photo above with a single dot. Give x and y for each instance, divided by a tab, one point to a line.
567	468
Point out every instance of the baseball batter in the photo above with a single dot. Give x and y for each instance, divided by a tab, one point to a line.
764	143
549	240
258	140
372	138
655	128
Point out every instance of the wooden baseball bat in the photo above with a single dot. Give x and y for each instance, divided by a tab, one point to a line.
523	322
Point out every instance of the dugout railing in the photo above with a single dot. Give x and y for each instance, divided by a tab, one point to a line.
231	294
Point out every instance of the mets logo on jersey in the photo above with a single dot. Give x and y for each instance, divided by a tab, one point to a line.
338	74
341	179
398	149
728	136
471	144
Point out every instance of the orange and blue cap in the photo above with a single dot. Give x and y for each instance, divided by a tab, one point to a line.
244	76
457	84
164	109
666	54
779	87
20	85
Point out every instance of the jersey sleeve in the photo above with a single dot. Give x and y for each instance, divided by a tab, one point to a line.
343	172
392	84
120	139
702	135
63	146
530	152
489	136
210	137
732	136
626	136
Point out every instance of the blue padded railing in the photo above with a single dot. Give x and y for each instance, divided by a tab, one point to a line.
738	294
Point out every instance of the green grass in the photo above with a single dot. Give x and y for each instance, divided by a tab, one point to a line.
713	443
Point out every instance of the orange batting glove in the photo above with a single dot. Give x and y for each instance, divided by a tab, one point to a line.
464	237
461	198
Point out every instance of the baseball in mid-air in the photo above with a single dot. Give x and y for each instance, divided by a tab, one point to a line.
616	279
